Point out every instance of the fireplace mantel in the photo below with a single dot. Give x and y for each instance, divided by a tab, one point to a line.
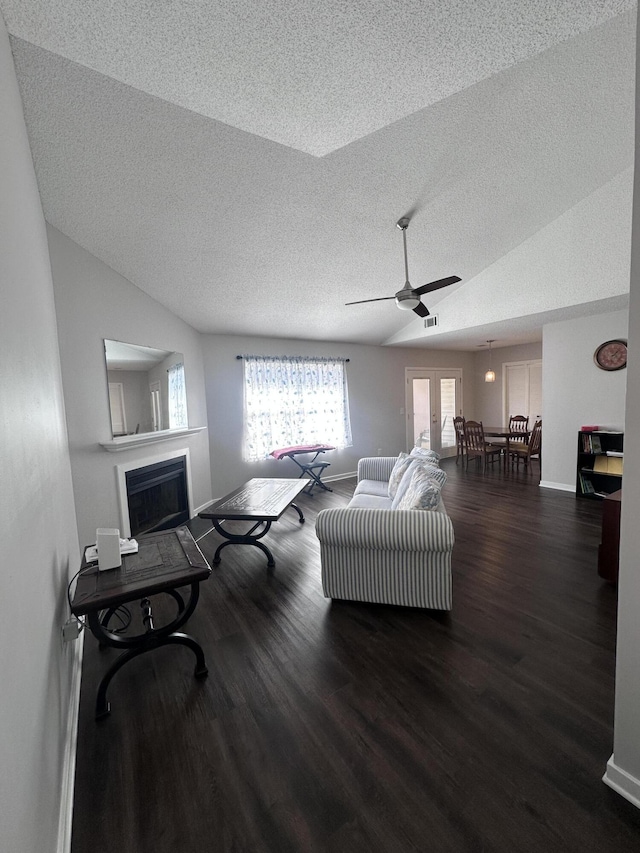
129	442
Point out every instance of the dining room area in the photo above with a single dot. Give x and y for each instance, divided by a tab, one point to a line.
491	415
510	446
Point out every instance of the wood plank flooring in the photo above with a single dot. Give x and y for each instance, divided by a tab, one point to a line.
353	727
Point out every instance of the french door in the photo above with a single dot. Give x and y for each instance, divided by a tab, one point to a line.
434	398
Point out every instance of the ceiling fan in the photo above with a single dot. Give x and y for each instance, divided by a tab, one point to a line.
409	297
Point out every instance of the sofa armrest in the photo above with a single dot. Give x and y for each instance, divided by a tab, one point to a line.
376	467
386	529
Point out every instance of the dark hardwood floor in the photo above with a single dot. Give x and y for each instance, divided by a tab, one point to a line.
353	727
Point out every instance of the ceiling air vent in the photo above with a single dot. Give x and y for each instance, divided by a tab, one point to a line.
431	321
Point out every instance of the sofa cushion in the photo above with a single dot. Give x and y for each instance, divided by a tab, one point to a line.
369	502
421	453
421	492
402	463
372	487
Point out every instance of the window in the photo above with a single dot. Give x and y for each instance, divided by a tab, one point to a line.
289	401
177	397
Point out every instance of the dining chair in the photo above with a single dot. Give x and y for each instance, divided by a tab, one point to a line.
476	447
518	429
525	451
458	424
518	424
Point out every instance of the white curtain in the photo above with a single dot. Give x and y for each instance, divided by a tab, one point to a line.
289	401
177	397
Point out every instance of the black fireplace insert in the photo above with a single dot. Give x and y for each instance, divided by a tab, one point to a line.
157	496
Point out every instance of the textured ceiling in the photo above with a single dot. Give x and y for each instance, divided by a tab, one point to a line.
313	76
245	163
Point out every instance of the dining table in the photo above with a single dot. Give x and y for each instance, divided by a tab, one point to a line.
506	433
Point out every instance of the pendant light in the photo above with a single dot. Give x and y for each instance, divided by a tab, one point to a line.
490	375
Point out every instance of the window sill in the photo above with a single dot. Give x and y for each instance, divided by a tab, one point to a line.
129	442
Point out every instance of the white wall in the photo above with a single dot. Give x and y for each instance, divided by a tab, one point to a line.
39	543
623	769
576	392
376	396
489	394
94	302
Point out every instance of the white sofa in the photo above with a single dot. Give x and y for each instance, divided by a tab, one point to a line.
372	552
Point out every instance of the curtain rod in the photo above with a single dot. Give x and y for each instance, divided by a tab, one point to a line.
310	357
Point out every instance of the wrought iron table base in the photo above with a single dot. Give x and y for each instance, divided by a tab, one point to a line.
138	644
250	537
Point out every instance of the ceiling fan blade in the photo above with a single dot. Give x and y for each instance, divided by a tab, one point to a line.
379	299
421	310
436	285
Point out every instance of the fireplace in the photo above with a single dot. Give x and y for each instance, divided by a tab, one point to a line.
157	496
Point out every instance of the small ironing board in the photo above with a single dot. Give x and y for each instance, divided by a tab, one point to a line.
312	468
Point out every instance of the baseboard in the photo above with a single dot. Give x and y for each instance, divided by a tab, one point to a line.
70	750
198	509
622	782
335	477
560	487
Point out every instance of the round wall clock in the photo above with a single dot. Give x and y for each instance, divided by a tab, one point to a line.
611	355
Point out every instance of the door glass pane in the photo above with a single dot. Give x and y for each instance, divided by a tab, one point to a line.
422	413
447	412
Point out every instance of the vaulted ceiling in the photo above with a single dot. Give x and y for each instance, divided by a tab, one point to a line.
245	163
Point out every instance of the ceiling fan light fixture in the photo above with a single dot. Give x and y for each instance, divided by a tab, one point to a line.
407	303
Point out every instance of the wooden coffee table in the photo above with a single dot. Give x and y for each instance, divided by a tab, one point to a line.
260	501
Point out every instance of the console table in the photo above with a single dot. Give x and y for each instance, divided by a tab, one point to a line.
165	561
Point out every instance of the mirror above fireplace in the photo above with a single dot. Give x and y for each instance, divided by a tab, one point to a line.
147	391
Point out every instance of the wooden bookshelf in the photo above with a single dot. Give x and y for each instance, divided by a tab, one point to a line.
600	464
